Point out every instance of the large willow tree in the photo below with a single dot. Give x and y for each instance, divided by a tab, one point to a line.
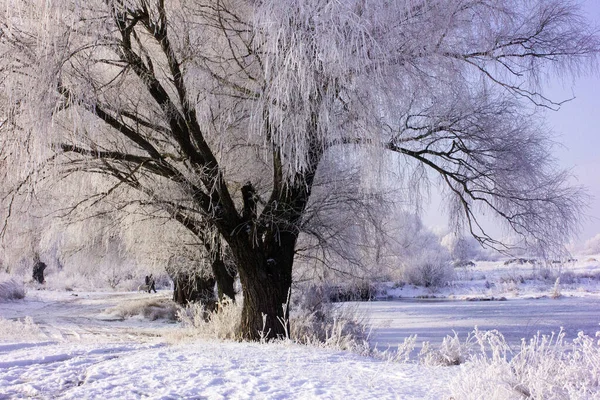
221	111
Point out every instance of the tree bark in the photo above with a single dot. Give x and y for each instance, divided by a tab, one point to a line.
266	279
192	289
225	279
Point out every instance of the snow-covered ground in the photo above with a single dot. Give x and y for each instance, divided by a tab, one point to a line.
207	370
81	352
75	346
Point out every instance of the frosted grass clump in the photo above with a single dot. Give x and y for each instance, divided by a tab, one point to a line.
221	323
151	309
341	329
545	367
451	352
12	290
428	269
19	330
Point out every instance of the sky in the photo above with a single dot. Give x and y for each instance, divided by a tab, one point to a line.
576	129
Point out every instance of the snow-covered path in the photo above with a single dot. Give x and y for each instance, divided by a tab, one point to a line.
64	316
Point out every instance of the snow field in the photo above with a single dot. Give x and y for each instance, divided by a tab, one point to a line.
211	370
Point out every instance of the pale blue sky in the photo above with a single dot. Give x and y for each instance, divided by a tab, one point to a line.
577	126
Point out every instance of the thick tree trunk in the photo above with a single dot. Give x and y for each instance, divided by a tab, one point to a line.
266	279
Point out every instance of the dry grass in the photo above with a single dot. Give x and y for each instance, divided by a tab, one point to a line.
12	290
152	309
222	323
19	330
546	367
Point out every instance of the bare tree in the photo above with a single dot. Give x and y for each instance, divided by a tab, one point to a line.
222	111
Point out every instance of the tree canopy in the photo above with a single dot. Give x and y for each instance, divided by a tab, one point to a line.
220	113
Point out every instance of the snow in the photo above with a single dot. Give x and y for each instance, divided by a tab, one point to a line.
79	354
218	371
72	346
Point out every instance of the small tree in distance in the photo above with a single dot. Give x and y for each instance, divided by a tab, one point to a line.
221	112
462	248
592	245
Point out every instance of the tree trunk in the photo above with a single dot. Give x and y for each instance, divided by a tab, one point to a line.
192	289
225	279
266	278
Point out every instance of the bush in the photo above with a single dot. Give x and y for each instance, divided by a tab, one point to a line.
362	290
12	290
451	352
429	269
331	327
462	248
592	246
546	367
221	323
314	321
151	309
19	330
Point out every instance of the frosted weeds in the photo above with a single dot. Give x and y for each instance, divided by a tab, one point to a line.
11	289
20	330
221	323
545	367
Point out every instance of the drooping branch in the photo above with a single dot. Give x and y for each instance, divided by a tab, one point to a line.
161	169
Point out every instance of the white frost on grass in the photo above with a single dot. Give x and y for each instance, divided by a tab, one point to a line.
82	355
11	289
24	329
545	367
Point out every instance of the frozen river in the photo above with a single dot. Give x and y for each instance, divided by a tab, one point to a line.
433	319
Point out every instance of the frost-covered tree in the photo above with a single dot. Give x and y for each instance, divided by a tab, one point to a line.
462	248
592	245
222	111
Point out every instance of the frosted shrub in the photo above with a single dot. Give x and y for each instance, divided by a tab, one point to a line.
19	330
462	248
151	309
546	367
359	290
592	245
315	321
11	290
451	352
222	323
339	328
428	269
402	354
